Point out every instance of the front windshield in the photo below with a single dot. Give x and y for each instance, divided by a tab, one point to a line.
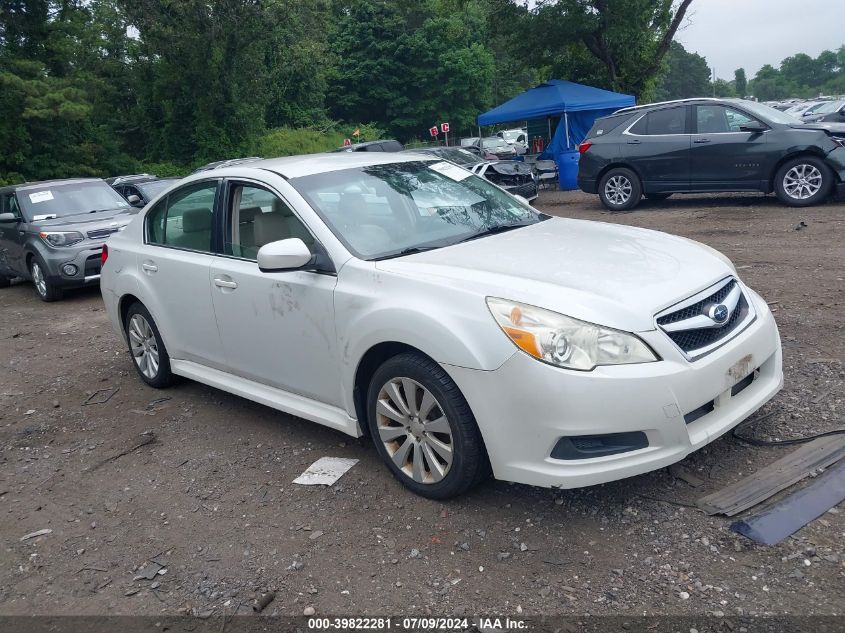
493	141
830	106
511	135
154	187
458	156
71	198
384	210
768	113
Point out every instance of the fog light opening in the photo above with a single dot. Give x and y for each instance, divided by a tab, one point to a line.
70	270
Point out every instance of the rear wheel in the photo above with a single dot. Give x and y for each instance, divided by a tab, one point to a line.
620	189
46	290
803	181
148	352
424	429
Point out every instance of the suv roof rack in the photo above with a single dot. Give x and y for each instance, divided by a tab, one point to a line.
661	103
121	179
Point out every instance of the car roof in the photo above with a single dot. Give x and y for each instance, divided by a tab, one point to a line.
309	164
47	183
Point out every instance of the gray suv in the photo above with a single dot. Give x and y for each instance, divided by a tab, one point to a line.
53	232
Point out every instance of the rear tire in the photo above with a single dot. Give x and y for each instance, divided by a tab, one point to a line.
423	428
46	291
149	356
620	189
803	181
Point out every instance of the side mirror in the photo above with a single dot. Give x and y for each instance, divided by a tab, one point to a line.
9	217
133	199
753	126
282	255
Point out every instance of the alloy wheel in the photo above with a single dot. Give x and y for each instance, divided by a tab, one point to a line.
38	279
802	181
618	190
143	345
414	430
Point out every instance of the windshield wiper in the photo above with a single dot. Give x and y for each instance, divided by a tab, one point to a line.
407	251
499	228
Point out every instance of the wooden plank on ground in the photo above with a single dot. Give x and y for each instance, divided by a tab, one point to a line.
759	486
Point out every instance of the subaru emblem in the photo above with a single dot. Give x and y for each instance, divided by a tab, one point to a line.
719	313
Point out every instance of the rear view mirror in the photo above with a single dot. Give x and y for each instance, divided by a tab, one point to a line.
289	254
9	217
133	199
753	126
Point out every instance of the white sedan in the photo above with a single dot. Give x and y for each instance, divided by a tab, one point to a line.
404	298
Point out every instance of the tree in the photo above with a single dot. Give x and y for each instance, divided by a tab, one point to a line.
684	75
740	82
629	38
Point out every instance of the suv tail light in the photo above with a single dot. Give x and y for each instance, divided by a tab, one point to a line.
583	147
104	255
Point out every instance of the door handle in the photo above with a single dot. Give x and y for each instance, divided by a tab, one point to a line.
224	283
701	140
634	142
150	268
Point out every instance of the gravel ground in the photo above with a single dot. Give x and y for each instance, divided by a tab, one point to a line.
208	496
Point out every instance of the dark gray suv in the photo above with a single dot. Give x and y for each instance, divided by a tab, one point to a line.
702	145
53	232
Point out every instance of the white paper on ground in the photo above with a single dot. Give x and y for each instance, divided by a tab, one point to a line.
325	471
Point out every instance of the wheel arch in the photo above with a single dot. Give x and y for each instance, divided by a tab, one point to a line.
618	164
372	359
807	151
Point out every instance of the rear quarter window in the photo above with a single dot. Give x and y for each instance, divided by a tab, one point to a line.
605	125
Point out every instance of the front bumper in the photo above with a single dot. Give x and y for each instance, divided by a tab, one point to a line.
86	260
525	407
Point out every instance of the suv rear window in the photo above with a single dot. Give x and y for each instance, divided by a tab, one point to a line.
665	121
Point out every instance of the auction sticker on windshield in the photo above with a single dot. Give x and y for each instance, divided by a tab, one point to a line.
40	196
450	171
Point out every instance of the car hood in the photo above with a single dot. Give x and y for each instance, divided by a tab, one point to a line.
602	273
88	221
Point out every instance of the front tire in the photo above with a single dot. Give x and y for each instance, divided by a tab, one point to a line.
46	291
803	181
620	189
424	429
149	356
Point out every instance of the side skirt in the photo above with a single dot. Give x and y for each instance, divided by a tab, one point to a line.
300	406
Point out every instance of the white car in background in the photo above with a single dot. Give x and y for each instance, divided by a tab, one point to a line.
401	296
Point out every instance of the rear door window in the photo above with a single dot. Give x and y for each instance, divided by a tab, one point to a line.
184	218
665	121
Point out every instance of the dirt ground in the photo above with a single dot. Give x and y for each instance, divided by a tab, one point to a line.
211	499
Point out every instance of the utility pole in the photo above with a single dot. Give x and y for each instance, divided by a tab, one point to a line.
714	81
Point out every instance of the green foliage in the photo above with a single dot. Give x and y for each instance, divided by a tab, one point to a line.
802	76
684	75
740	82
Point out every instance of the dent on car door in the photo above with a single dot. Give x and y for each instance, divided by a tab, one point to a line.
657	146
723	155
277	328
174	272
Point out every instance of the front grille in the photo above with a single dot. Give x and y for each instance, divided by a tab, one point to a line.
689	340
93	263
528	190
699	307
99	233
703	333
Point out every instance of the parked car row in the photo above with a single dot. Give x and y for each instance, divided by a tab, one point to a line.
709	145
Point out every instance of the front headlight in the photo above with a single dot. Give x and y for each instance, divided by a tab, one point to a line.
566	342
61	238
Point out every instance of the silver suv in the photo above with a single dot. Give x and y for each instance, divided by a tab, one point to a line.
53	232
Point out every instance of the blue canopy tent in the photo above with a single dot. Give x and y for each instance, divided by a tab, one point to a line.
578	106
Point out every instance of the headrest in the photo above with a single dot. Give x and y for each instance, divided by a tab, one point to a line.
248	215
351	205
195	220
269	227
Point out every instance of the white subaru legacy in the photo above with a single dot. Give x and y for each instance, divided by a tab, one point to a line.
404	298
